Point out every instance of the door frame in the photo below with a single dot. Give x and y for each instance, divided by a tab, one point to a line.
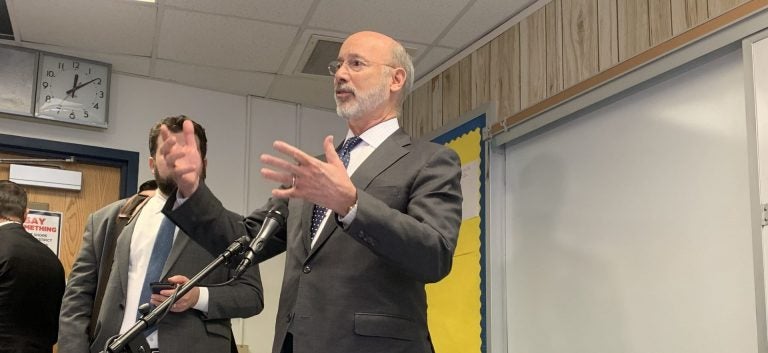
127	161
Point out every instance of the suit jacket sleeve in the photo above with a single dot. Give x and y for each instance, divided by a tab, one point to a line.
207	222
421	238
77	302
242	298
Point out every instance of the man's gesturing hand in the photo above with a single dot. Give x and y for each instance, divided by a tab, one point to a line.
324	183
181	156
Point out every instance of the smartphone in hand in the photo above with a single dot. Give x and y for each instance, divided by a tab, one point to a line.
158	286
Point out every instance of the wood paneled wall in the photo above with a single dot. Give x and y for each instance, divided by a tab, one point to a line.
556	53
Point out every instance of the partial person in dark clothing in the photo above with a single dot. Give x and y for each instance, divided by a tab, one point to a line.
31	280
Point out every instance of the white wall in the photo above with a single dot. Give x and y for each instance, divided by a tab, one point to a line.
629	228
756	62
304	128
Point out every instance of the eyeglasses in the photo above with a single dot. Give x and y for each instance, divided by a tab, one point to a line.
355	65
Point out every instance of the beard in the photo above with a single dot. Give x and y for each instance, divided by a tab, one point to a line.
166	185
360	103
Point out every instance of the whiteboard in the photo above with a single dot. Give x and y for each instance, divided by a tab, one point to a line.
628	228
756	64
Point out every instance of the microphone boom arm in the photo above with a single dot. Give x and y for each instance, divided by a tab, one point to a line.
148	320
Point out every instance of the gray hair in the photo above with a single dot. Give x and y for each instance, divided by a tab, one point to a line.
401	58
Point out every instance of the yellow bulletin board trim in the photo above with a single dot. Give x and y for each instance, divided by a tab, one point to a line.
456	305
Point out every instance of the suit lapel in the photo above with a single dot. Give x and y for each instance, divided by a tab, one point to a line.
306	225
389	152
324	234
123	254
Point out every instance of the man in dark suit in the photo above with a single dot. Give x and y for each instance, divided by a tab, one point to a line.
368	225
31	280
199	321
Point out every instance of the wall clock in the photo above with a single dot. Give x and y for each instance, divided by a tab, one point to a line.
72	90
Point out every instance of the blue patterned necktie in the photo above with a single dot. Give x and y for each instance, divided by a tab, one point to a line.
318	214
160	251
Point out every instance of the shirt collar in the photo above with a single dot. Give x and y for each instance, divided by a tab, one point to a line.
160	195
2	223
156	203
377	133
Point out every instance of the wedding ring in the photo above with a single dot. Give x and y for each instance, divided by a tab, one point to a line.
293	180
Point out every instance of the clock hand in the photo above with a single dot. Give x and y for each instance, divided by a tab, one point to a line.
72	91
74	84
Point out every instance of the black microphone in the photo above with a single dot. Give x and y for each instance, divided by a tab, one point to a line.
274	221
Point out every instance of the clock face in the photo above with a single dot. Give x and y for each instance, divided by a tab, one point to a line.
72	90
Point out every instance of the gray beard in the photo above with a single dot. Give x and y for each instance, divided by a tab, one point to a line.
363	103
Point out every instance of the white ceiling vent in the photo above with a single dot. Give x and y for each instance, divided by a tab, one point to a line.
318	53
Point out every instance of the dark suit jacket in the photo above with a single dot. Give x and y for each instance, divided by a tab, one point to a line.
359	289
31	286
186	332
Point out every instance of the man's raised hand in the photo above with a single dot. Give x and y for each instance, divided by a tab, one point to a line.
182	157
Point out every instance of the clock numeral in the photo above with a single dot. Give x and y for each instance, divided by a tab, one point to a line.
75	65
45	84
61	65
50	73
96	106
47	99
85	113
98	81
71	115
100	94
89	70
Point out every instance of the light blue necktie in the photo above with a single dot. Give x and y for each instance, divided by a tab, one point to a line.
318	214
160	251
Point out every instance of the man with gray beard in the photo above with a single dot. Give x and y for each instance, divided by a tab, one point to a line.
368	224
149	248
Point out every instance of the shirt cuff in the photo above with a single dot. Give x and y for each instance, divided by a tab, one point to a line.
202	300
179	200
347	220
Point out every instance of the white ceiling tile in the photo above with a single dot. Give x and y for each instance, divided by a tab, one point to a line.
416	51
308	91
284	11
96	25
221	41
230	81
137	65
482	17
407	20
432	59
224	80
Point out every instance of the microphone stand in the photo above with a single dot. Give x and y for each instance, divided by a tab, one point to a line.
131	341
